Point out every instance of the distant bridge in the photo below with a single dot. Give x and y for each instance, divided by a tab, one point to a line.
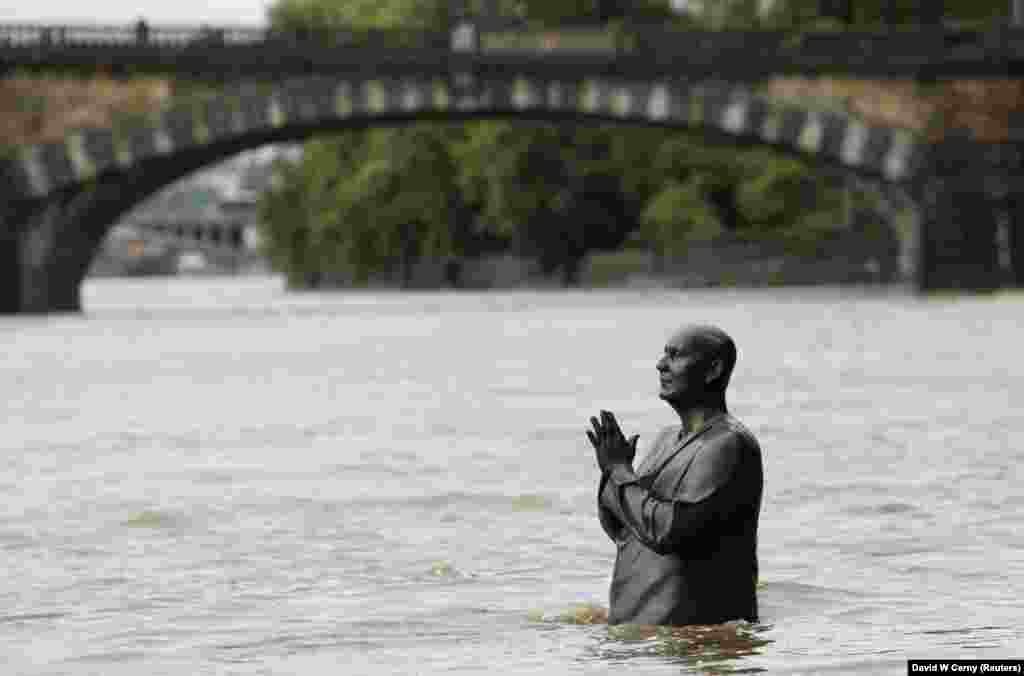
227	237
141	247
924	53
63	197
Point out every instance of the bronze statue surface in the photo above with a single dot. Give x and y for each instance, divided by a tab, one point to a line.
685	520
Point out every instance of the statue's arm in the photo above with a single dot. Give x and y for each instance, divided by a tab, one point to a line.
612	524
667	525
609	522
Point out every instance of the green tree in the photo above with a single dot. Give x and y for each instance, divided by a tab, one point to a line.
369	199
524	185
285	225
679	215
339	16
557	192
299	211
548	13
396	205
804	13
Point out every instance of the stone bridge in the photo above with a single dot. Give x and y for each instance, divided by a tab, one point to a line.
61	197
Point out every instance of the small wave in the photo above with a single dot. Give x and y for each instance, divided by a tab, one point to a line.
215	477
554	434
972	637
787	599
28	617
895	548
15	541
112	656
525	502
896	508
960	630
885	508
355	469
867	488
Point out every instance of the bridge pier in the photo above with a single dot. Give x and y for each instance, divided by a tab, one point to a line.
48	280
60	238
958	240
1011	162
10	275
1015	232
15	220
958	248
34	274
10	261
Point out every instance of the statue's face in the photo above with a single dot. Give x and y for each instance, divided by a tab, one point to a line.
682	369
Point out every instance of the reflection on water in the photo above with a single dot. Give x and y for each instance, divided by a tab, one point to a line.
712	649
715	649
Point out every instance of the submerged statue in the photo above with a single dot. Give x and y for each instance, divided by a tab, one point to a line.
685	520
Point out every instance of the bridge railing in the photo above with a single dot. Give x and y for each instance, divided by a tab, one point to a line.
662	49
826	43
29	35
176	37
903	52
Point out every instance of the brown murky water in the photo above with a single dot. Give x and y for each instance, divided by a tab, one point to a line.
214	476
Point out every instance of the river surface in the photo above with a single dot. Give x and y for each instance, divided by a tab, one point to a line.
215	476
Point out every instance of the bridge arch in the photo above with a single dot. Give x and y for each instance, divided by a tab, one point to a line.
289	109
66	195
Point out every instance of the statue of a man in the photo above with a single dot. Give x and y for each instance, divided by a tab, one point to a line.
685	521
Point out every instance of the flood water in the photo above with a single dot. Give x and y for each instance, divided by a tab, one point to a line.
214	476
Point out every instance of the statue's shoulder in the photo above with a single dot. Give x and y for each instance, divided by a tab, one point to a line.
729	430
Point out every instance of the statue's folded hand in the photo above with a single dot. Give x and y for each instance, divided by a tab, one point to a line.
610	444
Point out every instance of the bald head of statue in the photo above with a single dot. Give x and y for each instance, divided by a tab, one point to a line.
696	366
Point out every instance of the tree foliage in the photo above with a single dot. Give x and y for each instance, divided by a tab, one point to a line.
369	199
557	12
870	13
366	200
341	15
555	192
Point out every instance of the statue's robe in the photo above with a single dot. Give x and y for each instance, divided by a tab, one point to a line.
685	524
